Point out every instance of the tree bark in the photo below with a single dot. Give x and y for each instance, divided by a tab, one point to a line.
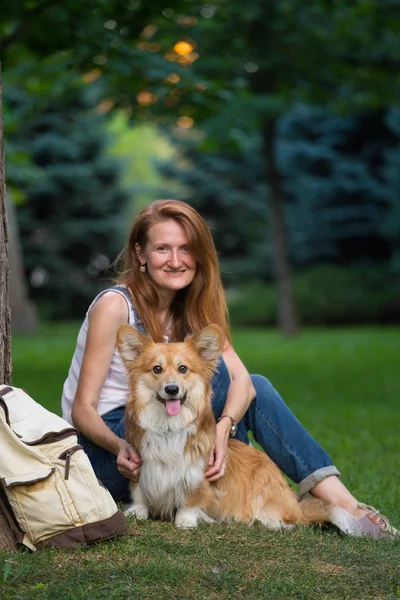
23	310
7	541
5	316
287	310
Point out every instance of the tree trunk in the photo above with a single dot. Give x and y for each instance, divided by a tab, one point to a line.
23	310
287	311
7	541
5	316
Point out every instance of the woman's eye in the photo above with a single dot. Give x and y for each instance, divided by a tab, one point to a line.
182	369
157	369
185	248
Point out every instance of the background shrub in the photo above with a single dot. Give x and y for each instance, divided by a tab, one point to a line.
326	295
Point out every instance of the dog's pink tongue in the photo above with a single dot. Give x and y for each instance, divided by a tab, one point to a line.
173	407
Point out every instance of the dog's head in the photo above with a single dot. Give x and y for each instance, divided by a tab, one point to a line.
170	379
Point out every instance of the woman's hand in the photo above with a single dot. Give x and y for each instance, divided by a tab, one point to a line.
128	461
219	456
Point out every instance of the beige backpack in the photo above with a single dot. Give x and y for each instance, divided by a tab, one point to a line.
49	492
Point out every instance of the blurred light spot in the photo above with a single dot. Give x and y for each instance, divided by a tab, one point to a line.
185	21
124	30
187	59
105	106
208	11
98	263
168	12
153	47
149	30
170	56
100	59
183	48
185	122
91	76
110	24
201	87
39	277
250	67
145	98
172	78
133	4
116	43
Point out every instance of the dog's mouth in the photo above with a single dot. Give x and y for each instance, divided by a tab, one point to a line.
172	405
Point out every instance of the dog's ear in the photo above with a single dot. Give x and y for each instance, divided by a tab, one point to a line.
208	343
131	343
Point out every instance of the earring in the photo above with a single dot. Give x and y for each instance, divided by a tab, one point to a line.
143	267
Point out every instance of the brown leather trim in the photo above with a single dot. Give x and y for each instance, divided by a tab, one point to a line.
5	408
8	512
91	533
53	436
30	482
6	390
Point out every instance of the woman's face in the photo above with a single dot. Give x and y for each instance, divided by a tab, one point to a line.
168	256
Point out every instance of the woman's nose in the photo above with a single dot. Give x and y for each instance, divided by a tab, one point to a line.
174	259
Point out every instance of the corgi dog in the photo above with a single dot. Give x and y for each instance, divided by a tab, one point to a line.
170	423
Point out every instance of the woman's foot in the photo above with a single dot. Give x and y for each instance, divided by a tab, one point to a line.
355	519
375	525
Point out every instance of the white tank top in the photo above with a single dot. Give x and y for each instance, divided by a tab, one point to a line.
114	392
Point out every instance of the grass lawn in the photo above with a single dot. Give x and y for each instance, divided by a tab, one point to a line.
344	386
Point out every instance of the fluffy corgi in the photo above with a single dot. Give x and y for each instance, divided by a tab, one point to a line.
170	423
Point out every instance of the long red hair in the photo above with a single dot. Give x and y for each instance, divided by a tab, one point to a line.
194	307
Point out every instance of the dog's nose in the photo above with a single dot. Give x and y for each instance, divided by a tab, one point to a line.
171	389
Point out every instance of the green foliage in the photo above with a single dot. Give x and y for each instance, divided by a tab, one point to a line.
326	295
337	198
340	178
74	209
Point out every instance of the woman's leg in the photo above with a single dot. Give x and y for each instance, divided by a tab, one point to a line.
297	454
104	463
284	439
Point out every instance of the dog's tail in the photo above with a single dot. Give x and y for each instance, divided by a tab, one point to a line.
315	511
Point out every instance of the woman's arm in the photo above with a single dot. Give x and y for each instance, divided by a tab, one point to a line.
241	392
105	318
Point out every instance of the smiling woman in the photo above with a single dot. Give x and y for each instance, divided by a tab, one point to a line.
170	287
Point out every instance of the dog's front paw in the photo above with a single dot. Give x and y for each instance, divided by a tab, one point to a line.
187	518
140	511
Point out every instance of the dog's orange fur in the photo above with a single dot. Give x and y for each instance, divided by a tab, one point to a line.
252	488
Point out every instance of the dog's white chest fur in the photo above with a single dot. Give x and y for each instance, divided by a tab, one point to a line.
167	473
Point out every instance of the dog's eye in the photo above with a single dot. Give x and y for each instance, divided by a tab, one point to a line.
157	369
182	369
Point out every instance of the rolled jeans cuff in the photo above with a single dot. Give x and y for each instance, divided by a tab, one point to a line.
307	484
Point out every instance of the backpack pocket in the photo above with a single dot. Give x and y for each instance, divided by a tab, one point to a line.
92	501
41	503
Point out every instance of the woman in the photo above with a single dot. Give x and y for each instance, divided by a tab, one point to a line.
170	286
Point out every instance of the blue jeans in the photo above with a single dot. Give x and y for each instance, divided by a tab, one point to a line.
271	422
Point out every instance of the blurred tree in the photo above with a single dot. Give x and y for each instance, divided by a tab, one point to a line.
391	173
234	68
74	209
257	60
336	198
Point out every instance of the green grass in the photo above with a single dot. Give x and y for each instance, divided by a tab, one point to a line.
344	386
